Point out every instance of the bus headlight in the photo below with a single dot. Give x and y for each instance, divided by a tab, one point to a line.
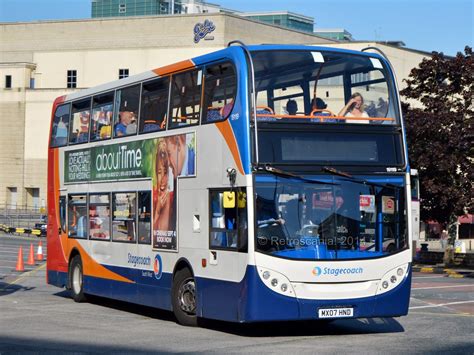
393	278
276	282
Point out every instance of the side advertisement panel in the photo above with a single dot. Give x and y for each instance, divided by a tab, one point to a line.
163	159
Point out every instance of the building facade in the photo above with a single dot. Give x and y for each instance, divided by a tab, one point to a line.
40	61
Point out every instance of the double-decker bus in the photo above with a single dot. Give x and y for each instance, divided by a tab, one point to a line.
256	183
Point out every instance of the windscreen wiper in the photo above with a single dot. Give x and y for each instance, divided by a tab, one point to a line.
348	176
286	174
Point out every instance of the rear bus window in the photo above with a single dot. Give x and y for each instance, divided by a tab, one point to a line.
79	127
185	98
127	101
220	86
60	127
154	105
101	120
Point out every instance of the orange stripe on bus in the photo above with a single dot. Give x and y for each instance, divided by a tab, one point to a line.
185	64
92	267
226	131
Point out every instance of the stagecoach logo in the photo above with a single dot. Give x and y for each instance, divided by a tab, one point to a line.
157	267
329	271
201	30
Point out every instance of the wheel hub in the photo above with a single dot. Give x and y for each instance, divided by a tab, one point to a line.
187	296
77	280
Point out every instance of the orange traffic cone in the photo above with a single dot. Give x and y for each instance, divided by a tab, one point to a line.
31	257
39	255
19	264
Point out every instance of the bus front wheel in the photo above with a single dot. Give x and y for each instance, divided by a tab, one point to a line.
76	279
184	298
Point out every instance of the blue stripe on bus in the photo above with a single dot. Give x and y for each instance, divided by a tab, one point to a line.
246	301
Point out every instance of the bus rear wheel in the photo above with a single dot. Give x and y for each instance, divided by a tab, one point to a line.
184	298
76	279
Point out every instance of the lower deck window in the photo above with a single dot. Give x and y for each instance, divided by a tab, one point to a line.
124	217
77	216
99	216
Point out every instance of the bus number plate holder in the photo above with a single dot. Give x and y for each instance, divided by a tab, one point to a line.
335	312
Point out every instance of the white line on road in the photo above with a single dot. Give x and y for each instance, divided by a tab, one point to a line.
428	277
435	287
441	305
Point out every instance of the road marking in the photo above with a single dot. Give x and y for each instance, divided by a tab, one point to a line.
434	287
428	277
25	275
441	305
445	314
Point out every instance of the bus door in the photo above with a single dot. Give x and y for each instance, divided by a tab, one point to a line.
228	244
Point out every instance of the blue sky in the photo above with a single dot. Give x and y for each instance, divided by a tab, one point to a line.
441	25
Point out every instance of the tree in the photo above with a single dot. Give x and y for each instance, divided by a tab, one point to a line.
439	133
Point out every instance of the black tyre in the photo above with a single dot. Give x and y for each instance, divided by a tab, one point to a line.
76	279
184	298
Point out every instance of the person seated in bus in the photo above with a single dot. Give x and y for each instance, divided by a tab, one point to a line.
319	104
60	137
354	108
291	107
126	119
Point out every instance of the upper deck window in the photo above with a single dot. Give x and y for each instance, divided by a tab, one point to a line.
127	101
60	126
154	109
220	86
323	87
101	120
79	127
185	98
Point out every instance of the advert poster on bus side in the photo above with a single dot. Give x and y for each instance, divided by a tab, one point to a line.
163	159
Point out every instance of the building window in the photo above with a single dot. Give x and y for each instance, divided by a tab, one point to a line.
8	81
123	73
71	79
122	8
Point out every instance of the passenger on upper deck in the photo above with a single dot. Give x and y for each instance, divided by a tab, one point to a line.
126	119
291	107
354	108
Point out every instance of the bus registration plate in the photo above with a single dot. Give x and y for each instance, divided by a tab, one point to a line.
335	312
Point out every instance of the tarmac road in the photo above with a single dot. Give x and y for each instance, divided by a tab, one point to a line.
36	317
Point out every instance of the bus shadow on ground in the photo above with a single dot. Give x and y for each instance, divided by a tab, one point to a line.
262	329
8	289
307	327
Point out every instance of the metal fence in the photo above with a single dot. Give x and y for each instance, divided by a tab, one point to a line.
21	216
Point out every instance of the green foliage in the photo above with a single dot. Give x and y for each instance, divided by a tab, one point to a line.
439	133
